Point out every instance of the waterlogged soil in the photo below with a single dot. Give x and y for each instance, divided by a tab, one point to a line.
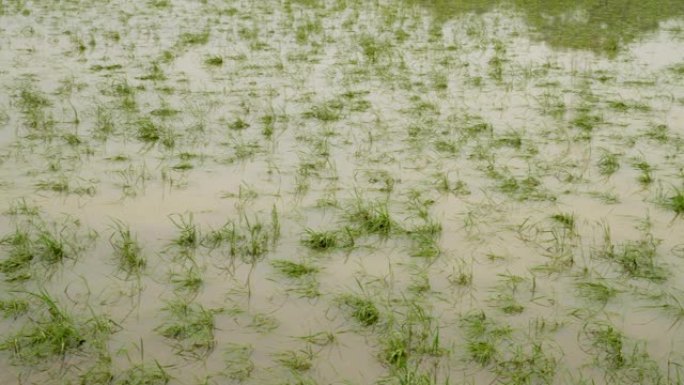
341	192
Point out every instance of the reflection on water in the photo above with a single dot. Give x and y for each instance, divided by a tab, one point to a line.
602	26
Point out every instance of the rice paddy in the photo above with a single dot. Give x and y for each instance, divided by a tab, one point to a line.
395	192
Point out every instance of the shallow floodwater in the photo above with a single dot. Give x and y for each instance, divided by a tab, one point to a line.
342	192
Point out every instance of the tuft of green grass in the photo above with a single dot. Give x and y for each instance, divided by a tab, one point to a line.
596	291
675	202
13	307
362	309
608	163
127	250
293	269
297	360
193	38
238	360
53	333
189	236
144	374
638	259
320	240
567	220
372	217
191	326
214	60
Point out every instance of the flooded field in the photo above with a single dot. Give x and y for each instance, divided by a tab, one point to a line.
342	192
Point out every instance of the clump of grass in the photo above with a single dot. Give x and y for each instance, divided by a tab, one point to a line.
189	236
293	269
567	220
194	38
214	60
54	332
638	259
264	323
362	309
13	307
144	374
372	47
329	111
320	240
596	291
675	202
47	244
249	240
148	131
189	280
127	250
607	343
16	266
372	217
608	163
191	326
482	337
297	360
238	359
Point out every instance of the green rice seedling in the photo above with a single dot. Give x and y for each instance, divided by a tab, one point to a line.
319	338
189	236
525	365
275	225
362	309
372	217
16	266
148	131
606	343
586	121
238	360
396	349
22	208
567	220
462	274
306	287
193	38
99	373
155	73
144	374
293	269
596	291
623	106
320	240
671	305
188	280
660	133
373	48
214	60
264	323
59	184
482	337
646	176
54	334
608	163
675	202
191	326
329	111
127	250
13	307
297	360
637	259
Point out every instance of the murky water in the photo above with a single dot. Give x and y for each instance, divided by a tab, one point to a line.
481	192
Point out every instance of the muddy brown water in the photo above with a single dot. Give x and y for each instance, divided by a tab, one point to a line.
379	101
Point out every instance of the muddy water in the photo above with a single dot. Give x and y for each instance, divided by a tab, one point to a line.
315	107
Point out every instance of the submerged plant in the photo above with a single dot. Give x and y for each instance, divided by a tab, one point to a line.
362	309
